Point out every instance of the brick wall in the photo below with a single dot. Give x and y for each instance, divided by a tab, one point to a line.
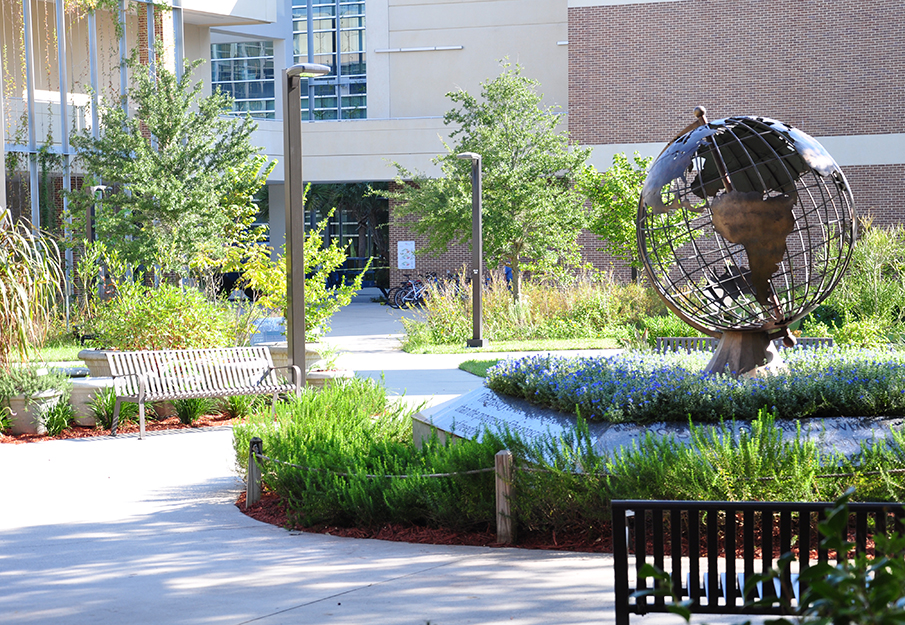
637	71
829	67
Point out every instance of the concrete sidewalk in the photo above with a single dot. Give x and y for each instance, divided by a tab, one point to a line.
121	531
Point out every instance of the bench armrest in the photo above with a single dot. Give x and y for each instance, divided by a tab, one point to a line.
295	377
142	383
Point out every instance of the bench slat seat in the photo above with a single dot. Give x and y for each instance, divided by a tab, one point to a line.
163	375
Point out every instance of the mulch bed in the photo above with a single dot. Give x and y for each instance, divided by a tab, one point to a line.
151	425
271	509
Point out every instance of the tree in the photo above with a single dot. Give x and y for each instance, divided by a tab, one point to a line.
531	214
614	196
179	173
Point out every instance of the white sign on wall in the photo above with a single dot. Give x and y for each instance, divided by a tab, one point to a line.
405	252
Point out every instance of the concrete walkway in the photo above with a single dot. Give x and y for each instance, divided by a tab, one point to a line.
121	531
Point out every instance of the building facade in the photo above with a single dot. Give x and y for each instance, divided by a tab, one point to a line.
625	73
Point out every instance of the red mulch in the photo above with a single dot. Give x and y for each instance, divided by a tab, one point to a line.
271	509
151	425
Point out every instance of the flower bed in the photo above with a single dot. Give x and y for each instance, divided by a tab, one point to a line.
643	387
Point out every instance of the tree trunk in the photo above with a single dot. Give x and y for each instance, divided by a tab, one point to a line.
516	283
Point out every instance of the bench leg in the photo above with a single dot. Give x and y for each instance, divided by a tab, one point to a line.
273	408
115	416
141	420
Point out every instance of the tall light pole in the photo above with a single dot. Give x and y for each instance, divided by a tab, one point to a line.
477	248
295	208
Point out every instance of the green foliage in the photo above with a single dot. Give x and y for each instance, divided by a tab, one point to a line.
347	440
588	306
268	277
31	380
191	409
30	276
242	406
180	173
59	418
865	332
346	432
614	196
531	214
666	325
103	404
166	317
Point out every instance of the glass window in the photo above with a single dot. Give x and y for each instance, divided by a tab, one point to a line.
245	71
332	33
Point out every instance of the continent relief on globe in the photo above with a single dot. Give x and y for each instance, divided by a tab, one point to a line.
761	227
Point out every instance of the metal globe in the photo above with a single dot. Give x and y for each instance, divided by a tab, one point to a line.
745	225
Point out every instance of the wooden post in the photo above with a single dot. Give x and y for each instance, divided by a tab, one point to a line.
505	524
253	479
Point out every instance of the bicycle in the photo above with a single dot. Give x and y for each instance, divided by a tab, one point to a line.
413	292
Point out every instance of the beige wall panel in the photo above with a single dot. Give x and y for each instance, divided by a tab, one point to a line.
357	151
525	31
243	11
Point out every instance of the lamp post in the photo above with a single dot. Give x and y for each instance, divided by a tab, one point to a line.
295	208
477	248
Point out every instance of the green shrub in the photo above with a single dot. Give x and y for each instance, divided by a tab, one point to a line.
344	433
874	285
103	404
588	306
59	418
866	332
191	409
666	325
241	406
166	317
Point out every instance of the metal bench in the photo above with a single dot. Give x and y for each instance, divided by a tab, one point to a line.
149	376
701	343
684	538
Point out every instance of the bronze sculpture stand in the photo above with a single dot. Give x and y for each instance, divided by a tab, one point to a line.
745	354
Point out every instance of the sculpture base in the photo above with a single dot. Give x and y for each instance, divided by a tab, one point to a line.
745	354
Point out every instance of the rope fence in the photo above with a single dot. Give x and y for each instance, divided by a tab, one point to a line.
503	468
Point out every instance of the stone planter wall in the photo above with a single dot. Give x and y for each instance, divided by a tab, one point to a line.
96	361
27	413
320	379
83	392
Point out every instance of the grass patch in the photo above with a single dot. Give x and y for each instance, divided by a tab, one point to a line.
478	367
537	345
61	349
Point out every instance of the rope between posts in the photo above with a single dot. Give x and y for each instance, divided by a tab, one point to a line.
539	470
759	479
400	477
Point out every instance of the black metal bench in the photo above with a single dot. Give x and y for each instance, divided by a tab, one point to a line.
686	540
704	343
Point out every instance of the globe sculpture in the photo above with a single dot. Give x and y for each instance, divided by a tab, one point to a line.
745	225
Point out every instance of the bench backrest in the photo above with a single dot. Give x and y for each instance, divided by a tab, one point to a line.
691	534
701	343
196	370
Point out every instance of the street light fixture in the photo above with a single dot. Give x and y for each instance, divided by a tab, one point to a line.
477	248
295	207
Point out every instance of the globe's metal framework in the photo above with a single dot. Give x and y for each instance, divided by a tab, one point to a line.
745	225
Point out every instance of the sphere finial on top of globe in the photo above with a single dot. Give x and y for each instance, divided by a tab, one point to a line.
745	225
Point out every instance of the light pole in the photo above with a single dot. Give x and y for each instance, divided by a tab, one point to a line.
295	208
477	248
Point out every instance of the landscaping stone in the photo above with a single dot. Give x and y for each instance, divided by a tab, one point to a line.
83	391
